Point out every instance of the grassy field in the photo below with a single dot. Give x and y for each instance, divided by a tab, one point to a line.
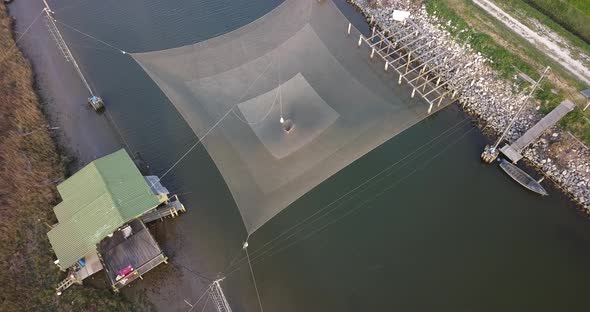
528	14
510	53
30	166
573	15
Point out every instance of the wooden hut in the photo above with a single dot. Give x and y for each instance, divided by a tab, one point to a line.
100	222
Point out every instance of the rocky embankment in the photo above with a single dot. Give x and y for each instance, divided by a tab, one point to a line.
495	101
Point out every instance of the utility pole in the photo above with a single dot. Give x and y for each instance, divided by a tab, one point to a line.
526	99
491	152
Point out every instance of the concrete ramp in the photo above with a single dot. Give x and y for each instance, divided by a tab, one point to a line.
513	150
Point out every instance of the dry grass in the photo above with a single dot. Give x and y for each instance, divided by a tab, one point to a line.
30	166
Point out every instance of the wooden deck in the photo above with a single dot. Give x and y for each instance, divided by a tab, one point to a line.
172	208
138	250
512	151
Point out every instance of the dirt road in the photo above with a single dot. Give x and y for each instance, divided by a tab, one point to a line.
542	41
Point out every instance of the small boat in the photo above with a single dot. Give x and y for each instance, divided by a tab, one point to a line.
522	177
96	103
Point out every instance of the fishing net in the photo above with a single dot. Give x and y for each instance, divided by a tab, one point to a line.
283	103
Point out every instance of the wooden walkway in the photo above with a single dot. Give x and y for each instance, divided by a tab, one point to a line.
172	208
513	150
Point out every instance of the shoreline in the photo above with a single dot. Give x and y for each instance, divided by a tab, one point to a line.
556	154
85	135
80	148
31	164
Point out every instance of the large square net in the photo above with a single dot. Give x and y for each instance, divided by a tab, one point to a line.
282	103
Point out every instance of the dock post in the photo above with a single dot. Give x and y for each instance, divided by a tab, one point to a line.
422	73
441	98
409	61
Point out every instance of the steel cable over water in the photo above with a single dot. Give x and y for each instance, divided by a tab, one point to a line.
281	246
404	123
7	54
296	228
275	248
339	105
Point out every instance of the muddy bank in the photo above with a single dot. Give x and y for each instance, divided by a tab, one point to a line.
82	133
86	136
30	167
557	154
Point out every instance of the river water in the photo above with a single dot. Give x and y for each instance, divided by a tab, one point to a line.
439	232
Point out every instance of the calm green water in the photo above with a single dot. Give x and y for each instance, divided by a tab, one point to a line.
438	232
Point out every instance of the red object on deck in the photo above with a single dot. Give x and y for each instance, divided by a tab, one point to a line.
126	270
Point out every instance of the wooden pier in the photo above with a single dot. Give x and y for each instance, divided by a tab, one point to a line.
513	151
172	208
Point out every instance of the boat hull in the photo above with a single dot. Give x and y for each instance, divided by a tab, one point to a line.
522	177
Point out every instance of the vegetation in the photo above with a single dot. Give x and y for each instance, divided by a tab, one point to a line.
510	53
573	15
29	169
522	10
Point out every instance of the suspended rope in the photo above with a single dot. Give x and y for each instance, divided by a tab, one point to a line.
389	188
201	138
197	274
322	213
277	249
253	277
265	115
205	292
21	36
280	89
205	304
89	36
318	214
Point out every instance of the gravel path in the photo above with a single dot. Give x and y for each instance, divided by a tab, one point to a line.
542	41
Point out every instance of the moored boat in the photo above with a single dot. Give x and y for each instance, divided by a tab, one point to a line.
522	177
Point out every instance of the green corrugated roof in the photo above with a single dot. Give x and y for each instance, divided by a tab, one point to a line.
98	199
